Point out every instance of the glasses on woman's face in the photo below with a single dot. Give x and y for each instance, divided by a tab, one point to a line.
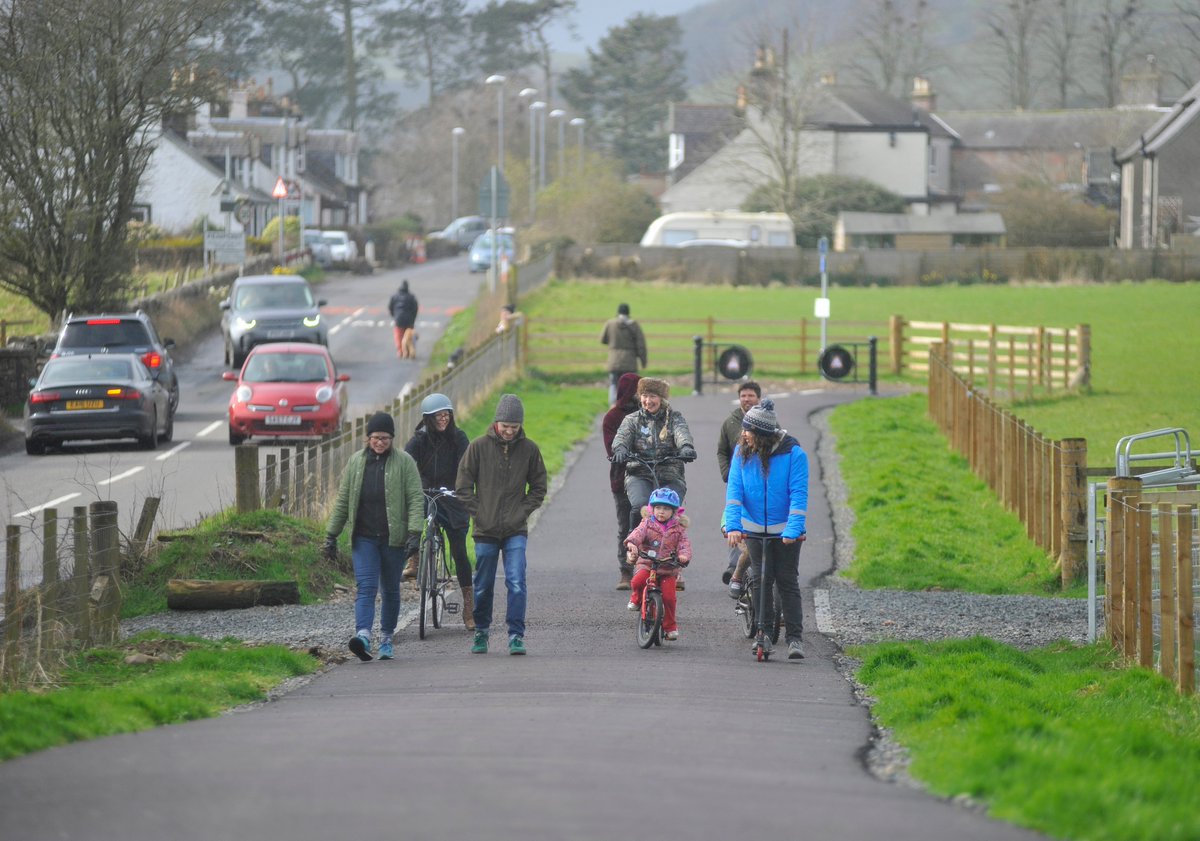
380	439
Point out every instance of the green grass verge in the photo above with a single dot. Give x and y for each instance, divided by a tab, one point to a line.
101	694
1062	740
923	520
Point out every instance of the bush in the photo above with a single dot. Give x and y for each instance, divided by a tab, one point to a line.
1036	214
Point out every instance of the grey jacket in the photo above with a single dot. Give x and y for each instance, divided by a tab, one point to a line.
626	344
654	436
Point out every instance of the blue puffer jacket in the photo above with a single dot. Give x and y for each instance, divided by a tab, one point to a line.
774	504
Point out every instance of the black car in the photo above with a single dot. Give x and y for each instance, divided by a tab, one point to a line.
97	396
121	333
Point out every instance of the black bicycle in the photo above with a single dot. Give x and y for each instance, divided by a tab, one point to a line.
760	623
649	626
434	577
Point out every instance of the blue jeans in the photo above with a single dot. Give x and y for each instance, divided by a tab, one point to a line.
377	568
486	556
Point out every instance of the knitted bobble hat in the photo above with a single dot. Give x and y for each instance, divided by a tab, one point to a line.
761	418
510	409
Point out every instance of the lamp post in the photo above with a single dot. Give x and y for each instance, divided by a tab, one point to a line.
540	107
497	171
560	115
455	133
535	180
579	123
530	93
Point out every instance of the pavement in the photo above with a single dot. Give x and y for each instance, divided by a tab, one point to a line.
587	737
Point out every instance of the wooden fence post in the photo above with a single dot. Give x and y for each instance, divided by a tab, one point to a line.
1183	579
12	598
1145	587
269	483
50	586
106	592
896	343
81	577
1120	489
141	532
1168	596
1084	355
285	479
245	466
1073	521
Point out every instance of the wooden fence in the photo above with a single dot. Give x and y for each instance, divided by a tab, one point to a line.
1009	359
1151	578
78	602
1043	482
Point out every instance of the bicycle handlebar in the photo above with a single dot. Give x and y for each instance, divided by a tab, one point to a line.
438	493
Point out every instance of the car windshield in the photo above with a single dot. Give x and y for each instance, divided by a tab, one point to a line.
274	296
485	241
286	368
72	371
106	333
337	238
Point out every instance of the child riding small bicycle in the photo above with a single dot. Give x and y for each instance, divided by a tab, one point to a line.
663	529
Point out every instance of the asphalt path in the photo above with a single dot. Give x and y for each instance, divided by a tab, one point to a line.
193	475
587	737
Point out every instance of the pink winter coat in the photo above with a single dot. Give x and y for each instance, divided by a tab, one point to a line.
672	537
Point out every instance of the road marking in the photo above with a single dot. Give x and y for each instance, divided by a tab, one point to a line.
131	471
824	615
337	327
173	451
212	427
50	504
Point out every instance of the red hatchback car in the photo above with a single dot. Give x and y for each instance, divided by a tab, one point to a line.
286	389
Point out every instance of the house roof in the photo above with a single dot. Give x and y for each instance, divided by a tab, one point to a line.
332	140
690	118
848	106
1040	130
1158	135
906	223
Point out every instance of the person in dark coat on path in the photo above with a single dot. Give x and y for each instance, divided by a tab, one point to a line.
749	393
626	347
626	403
403	307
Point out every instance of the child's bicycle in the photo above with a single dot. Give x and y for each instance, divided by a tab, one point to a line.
649	626
433	568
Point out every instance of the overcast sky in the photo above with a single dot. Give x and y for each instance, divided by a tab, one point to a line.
595	17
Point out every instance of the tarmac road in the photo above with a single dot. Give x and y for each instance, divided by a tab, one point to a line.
587	737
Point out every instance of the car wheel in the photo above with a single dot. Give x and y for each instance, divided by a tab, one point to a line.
238	358
34	447
169	432
234	438
174	397
150	442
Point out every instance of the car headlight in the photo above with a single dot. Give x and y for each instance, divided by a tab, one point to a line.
246	324
324	394
312	321
243	394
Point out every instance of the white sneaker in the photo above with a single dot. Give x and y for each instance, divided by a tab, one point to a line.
632	606
672	636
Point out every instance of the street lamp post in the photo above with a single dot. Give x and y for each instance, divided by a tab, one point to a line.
541	113
560	115
455	133
535	181
579	123
529	93
497	172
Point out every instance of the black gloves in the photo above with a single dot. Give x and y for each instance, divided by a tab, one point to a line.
412	544
687	453
331	548
620	455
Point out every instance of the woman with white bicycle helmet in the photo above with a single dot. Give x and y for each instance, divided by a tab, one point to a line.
437	446
663	529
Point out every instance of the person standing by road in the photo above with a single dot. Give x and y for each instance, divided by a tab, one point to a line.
501	481
766	507
749	393
626	347
437	446
625	404
379	498
403	307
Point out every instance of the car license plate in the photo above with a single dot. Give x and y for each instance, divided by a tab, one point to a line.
279	334
84	404
282	420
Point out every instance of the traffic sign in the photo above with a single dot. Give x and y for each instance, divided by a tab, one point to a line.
226	246
485	195
836	363
281	190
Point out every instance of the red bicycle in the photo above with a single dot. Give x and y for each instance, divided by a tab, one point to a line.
649	626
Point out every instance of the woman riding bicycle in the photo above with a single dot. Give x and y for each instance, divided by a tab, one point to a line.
437	446
663	529
766	506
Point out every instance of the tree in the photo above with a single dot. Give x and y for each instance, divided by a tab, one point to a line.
817	200
84	84
895	44
1118	28
626	87
429	42
1012	27
499	33
1061	40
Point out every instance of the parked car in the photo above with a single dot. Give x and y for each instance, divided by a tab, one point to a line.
269	308
342	249
286	389
462	231
315	242
712	242
480	256
128	332
100	396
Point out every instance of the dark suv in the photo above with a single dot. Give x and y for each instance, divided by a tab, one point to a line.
130	332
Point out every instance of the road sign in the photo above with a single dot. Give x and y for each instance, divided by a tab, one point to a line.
281	190
226	247
243	212
485	195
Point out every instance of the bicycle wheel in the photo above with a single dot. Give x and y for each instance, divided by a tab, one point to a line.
425	584
441	578
650	621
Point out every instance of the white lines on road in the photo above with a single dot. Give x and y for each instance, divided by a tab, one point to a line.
173	451
130	472
30	512
337	327
211	428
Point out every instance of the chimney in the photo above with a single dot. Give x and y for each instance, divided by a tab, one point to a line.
237	104
1141	89
922	95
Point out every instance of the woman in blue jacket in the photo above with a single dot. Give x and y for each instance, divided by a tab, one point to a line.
765	505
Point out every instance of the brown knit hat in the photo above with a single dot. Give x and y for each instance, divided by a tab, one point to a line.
651	385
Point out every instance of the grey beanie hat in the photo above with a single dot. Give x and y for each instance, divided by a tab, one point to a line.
381	422
761	418
510	409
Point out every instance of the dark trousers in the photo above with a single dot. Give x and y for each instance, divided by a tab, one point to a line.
780	567
621	500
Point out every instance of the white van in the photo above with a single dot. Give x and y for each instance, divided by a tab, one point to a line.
721	226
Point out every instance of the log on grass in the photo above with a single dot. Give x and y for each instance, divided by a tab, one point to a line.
202	594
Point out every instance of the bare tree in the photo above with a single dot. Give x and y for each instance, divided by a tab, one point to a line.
84	85
1183	61
1118	29
1012	28
895	44
1061	40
